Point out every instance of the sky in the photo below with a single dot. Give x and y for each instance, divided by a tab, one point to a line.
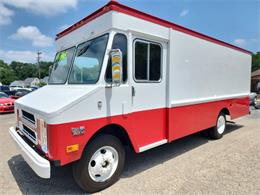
28	26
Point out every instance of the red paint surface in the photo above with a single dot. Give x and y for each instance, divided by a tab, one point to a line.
144	127
186	120
113	5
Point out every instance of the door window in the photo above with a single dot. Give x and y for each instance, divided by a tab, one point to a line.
147	58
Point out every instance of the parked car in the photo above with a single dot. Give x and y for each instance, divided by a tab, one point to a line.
14	97
22	92
15	88
6	103
34	88
5	89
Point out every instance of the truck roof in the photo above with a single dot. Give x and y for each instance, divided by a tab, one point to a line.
115	6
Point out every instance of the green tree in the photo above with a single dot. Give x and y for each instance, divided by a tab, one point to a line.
7	75
41	84
256	61
24	70
44	67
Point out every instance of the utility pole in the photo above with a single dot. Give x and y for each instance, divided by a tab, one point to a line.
38	61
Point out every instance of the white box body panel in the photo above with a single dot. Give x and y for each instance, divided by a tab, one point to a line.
204	71
108	21
98	26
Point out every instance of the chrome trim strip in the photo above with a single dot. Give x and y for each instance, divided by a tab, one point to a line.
205	100
31	121
28	135
152	145
28	124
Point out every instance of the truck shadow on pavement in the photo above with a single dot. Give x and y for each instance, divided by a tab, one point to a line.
62	181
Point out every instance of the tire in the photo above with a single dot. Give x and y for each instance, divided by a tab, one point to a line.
218	131
101	164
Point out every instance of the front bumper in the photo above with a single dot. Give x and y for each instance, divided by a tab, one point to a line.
40	165
6	109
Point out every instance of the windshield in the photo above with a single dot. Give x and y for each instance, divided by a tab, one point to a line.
88	61
61	66
3	95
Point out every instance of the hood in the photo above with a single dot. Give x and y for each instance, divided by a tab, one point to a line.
51	100
6	100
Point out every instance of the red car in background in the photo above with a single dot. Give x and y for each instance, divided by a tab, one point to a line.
6	103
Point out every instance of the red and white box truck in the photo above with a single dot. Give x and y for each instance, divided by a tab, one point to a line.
125	78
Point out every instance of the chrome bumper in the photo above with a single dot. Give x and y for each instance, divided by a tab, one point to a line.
40	165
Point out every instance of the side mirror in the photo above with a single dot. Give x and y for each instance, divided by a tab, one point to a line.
117	66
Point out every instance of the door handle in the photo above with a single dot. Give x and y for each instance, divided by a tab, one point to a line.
133	91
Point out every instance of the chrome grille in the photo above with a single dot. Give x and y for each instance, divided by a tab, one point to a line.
28	126
28	116
30	134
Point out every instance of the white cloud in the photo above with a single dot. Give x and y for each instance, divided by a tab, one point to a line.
23	56
184	12
5	15
45	7
240	42
33	34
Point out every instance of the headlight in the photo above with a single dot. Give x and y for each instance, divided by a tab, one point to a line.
43	137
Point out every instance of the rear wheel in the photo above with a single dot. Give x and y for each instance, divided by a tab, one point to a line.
218	131
101	164
255	101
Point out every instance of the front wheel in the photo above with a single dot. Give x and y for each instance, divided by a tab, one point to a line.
101	164
218	131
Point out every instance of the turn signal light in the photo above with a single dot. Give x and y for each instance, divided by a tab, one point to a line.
72	148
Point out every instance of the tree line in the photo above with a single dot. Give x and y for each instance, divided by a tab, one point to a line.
20	71
256	61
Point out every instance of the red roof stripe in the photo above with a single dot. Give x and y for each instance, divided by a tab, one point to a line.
113	5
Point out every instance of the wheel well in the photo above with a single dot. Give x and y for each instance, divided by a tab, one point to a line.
225	111
117	131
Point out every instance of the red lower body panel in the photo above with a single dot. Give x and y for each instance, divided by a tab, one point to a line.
185	120
144	127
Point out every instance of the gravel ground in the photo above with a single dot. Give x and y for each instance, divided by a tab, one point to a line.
192	165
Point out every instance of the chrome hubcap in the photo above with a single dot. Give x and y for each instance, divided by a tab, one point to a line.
221	124
103	164
255	101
